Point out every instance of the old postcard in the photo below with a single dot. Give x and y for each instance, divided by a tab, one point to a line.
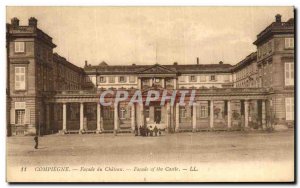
150	94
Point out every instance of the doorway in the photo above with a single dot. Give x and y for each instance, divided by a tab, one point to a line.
157	114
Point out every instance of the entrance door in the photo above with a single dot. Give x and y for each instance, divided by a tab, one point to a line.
157	114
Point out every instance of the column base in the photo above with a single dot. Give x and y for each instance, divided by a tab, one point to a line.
194	130
177	130
115	132
81	131
98	131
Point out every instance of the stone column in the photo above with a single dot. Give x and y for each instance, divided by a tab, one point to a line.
116	118
48	117
211	122
168	116
175	83
98	118
151	82
81	118
172	128
228	114
132	117
142	114
139	83
194	117
263	111
177	118
163	83
64	117
246	104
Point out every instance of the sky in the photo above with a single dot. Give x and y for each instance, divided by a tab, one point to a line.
149	35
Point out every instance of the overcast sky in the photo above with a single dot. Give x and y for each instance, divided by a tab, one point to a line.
146	35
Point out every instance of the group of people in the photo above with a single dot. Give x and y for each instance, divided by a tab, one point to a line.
147	131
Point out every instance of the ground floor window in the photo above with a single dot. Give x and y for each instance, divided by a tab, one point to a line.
20	117
203	112
123	113
182	112
289	108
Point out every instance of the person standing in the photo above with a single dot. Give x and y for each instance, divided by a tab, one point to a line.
36	140
155	130
136	130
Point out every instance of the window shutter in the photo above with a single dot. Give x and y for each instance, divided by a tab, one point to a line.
12	116
27	116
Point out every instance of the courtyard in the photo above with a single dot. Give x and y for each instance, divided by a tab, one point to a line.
221	150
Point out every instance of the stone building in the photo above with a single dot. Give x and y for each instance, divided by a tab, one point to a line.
47	94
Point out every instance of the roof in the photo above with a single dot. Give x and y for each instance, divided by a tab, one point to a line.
138	69
246	61
275	28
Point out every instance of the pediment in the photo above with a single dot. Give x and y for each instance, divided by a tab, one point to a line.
157	69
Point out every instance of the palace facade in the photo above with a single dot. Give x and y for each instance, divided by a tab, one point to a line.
47	94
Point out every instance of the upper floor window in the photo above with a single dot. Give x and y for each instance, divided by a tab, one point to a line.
289	42
122	79
101	79
193	79
213	78
181	78
111	79
270	46
131	79
289	74
19	78
226	78
19	47
202	78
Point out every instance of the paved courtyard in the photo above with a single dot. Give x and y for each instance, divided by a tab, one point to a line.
199	147
203	156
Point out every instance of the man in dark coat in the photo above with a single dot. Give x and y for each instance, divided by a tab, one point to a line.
155	130
36	140
136	130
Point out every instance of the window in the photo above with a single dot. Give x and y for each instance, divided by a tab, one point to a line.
131	79
289	74
19	47
19	78
122	113
193	79
289	42
87	79
270	47
111	79
182	79
122	79
203	112
289	108
202	78
101	79
20	117
182	111
213	78
226	78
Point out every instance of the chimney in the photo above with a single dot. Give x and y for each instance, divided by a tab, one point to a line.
197	60
15	22
221	62
175	63
32	22
278	18
85	63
